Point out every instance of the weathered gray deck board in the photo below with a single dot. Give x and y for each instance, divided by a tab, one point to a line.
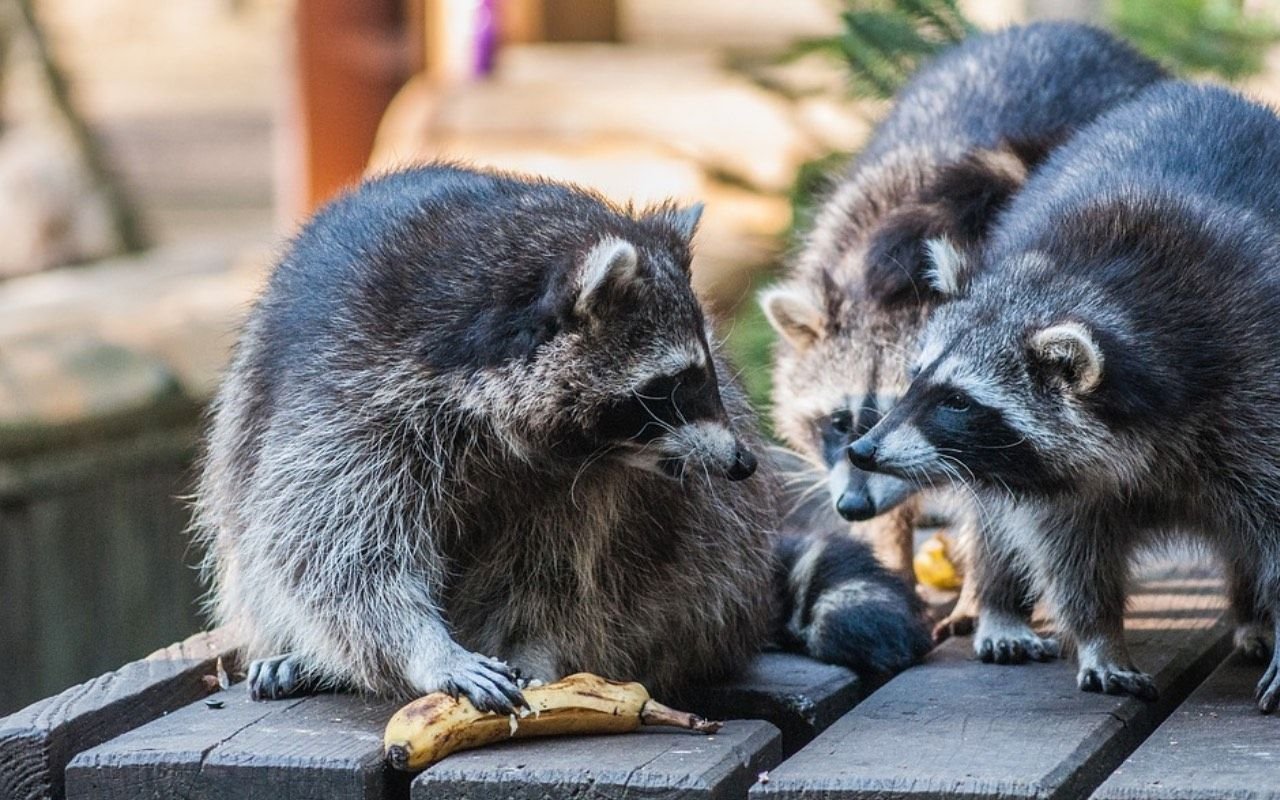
957	727
1216	745
327	746
651	763
37	742
797	694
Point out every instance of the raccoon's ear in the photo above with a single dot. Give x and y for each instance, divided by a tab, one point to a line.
793	315
950	267
1069	353
612	263
684	221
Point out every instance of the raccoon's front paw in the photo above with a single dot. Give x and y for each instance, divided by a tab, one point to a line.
1253	640
488	683
276	678
1112	679
1006	640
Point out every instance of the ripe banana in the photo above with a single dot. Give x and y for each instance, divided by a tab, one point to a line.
430	728
934	565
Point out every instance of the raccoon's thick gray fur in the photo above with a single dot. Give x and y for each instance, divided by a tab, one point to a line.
959	141
1108	376
480	414
836	602
475	425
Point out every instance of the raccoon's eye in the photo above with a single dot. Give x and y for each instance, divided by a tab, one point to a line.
955	402
913	372
842	422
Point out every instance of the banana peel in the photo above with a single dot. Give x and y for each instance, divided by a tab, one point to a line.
431	727
933	564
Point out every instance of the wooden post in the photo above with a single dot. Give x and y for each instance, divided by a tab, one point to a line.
348	59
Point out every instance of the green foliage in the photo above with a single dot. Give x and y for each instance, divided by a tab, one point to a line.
1215	36
884	41
749	340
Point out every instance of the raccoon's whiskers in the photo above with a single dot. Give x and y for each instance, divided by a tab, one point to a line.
595	456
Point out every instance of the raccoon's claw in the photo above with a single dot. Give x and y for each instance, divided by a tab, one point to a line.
1113	680
1017	650
489	684
276	678
1252	641
1268	691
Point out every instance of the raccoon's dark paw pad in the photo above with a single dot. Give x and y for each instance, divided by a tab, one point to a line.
1016	649
1268	692
276	678
1253	643
489	684
1113	680
953	625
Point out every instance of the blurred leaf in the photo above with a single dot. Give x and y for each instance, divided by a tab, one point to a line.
749	339
1197	36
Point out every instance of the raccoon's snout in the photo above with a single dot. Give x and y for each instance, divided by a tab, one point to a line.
744	465
862	453
856	506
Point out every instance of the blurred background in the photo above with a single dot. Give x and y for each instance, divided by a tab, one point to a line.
153	156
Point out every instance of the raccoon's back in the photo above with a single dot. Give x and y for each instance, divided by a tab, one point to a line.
1020	83
1202	143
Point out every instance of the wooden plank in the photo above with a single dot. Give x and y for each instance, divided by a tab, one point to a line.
649	763
955	726
798	695
37	742
327	746
1216	745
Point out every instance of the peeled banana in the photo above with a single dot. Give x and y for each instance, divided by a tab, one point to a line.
432	727
934	566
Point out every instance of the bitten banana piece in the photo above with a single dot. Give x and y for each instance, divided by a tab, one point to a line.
432	727
934	566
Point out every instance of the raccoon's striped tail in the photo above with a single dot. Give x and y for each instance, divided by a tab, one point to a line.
838	604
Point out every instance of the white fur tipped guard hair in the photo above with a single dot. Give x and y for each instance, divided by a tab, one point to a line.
948	265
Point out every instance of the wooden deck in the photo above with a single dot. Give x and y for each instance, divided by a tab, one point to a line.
952	727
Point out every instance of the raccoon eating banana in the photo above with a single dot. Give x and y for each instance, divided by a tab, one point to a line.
477	426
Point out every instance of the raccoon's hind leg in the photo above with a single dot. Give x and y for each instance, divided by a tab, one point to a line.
1003	588
1252	636
964	615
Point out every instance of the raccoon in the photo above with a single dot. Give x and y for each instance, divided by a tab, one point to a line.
958	143
475	429
1106	377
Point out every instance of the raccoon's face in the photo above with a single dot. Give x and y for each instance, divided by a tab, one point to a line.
839	368
1004	393
632	377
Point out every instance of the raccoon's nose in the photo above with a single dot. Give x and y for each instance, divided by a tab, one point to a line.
744	465
856	506
862	454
